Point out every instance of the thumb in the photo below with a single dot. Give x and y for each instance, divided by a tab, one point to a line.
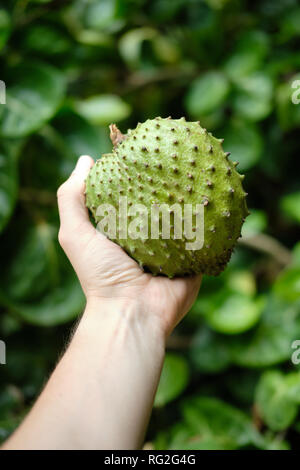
71	200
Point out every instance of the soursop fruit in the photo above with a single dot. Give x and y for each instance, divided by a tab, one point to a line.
170	161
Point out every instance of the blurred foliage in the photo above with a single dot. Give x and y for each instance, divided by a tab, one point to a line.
72	67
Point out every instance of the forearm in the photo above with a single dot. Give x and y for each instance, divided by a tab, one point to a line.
102	391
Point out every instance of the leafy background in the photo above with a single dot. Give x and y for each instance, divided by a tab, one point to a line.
71	68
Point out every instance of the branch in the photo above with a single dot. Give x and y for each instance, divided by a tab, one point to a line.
140	79
266	244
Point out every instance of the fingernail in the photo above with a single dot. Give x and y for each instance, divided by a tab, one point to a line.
83	163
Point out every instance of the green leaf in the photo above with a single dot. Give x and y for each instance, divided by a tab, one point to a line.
47	40
166	49
234	313
217	4
31	261
248	56
103	109
290	25
47	164
255	223
4	27
287	285
59	305
79	136
296	255
189	442
241	384
10	398
9	324
28	367
253	99
244	142
275	406
287	103
52	154
241	282
38	283
206	94
212	420
276	443
103	15
130	44
214	119
293	386
209	352
32	101
174	379
8	182
290	205
270	342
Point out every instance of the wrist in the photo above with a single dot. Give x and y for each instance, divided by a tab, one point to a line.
111	316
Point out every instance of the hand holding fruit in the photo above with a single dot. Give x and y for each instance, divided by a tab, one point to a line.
105	271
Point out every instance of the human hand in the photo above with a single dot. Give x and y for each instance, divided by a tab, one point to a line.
105	271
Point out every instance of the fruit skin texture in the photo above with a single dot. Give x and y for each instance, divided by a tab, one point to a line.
173	161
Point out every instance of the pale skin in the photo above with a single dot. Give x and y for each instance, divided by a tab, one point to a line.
101	393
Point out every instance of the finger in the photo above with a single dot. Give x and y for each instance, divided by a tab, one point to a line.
71	200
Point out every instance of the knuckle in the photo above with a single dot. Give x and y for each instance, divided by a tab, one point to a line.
62	190
62	238
69	188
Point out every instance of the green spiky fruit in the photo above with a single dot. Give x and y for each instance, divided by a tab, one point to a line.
172	161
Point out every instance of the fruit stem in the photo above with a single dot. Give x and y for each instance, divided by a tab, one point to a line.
116	135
